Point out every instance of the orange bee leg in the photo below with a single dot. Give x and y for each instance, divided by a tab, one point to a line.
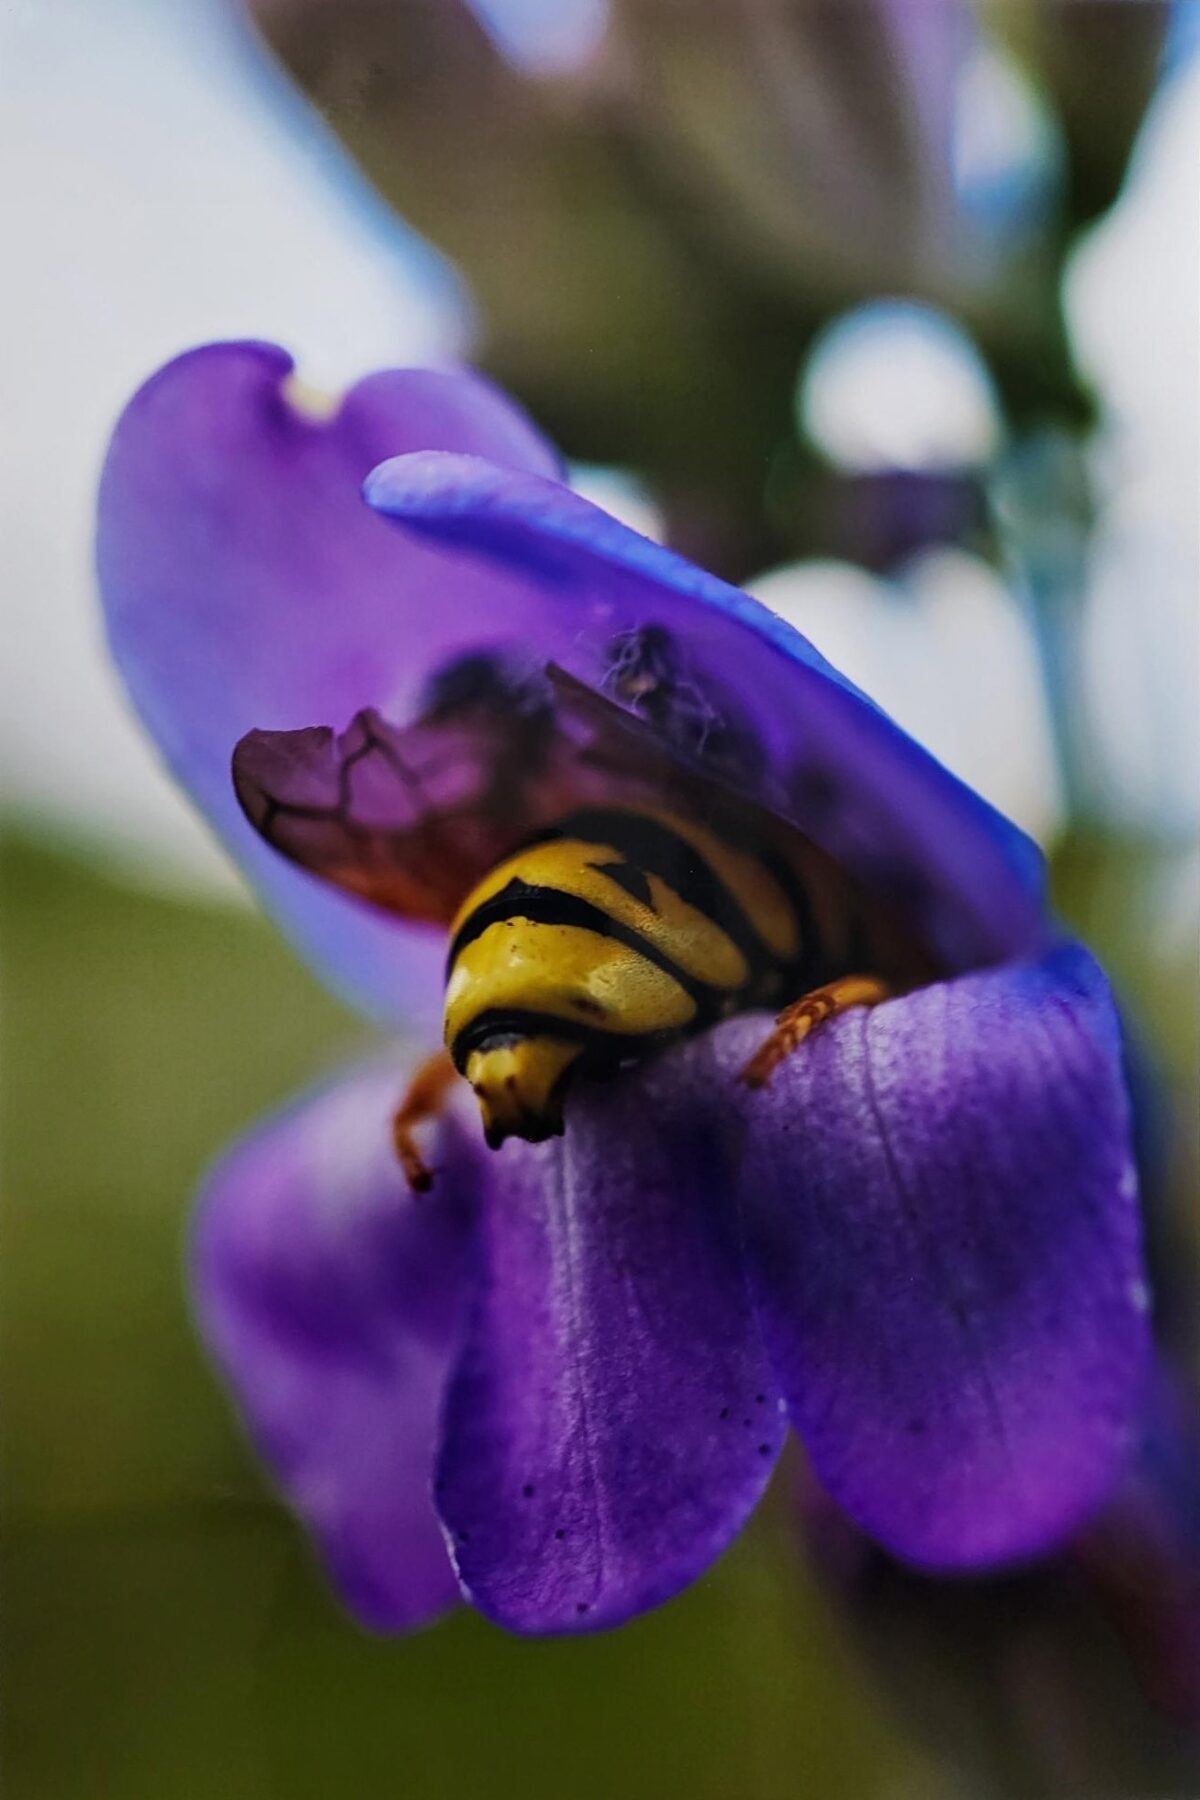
803	1016
423	1099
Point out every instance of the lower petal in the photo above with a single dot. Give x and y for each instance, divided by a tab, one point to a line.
612	1420
944	1239
330	1297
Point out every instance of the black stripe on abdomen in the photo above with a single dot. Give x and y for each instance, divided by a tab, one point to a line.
509	1024
551	906
661	851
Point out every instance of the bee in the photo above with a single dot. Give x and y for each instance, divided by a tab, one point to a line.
620	929
607	883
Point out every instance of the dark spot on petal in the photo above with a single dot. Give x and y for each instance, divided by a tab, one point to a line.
760	1399
560	1534
583	1607
724	1413
464	1537
747	1423
916	1426
764	1449
528	1490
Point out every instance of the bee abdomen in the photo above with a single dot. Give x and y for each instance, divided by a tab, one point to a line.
552	906
653	846
616	930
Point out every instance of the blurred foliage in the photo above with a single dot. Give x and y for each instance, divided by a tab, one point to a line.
167	1631
1025	1679
653	238
1098	61
629	340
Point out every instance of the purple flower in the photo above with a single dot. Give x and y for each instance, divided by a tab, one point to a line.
917	1244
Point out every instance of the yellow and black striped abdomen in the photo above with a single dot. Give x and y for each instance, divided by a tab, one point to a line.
614	932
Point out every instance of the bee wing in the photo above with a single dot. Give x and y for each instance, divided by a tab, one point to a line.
411	818
407	818
632	754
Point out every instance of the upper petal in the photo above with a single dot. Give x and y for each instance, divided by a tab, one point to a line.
245	584
612	1420
944	1239
832	762
330	1297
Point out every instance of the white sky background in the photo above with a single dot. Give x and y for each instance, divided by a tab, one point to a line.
1133	304
163	185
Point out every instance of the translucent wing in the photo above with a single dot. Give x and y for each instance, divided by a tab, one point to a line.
407	818
412	817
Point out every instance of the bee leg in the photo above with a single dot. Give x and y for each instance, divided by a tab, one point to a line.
422	1100
803	1016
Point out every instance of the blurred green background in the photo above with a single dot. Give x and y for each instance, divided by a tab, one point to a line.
167	1630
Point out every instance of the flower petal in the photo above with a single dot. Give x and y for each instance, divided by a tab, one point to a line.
245	584
612	1420
835	764
943	1234
330	1297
